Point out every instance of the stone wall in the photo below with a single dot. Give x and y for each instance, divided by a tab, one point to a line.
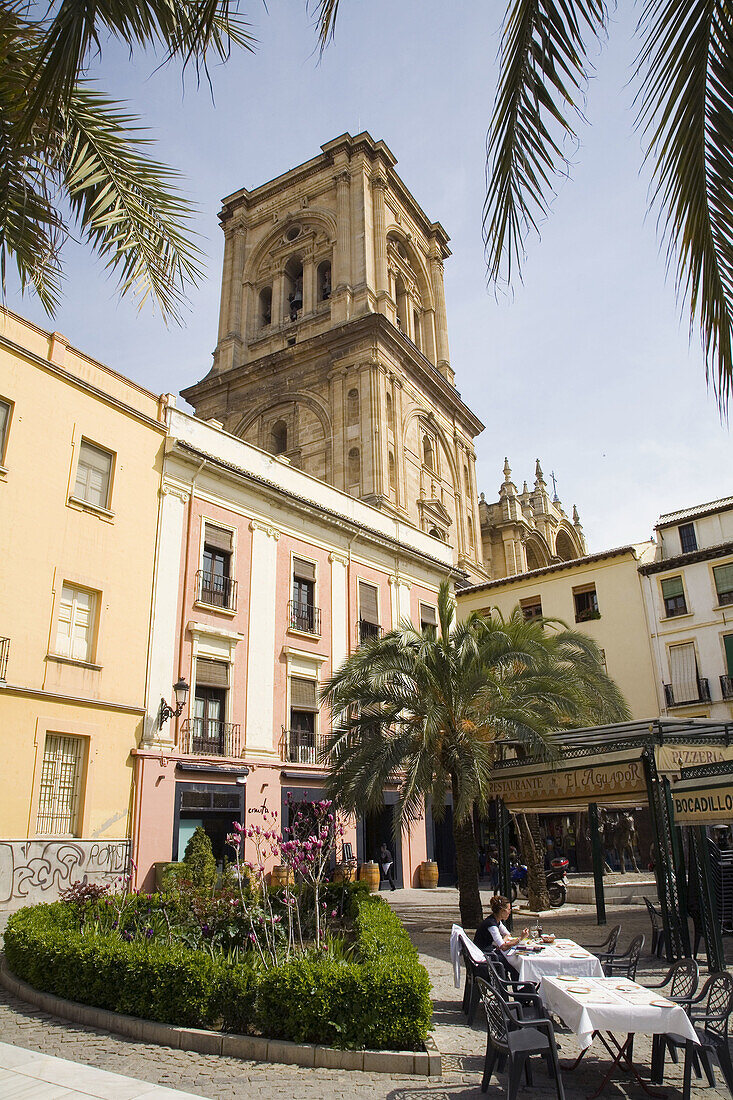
32	871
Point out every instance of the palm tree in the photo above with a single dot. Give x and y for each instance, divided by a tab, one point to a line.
684	102
428	710
71	159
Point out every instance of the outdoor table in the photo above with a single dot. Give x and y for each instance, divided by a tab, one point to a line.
561	957
591	1006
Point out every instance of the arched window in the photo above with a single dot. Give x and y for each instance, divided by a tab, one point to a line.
436	534
416	329
427	453
265	306
392	472
293	288
390	411
352	407
279	437
324	281
469	525
564	547
354	468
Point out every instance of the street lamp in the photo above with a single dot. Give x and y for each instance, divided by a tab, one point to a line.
181	691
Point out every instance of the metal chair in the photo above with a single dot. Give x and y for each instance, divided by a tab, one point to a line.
655	916
514	1041
625	964
679	985
609	945
711	1028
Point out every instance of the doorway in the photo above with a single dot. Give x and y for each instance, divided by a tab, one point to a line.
375	829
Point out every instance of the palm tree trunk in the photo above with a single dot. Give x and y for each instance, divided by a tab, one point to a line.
534	856
469	898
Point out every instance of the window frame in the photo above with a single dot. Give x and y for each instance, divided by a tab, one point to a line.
527	603
80	783
313	606
5	434
687	528
595	612
674	614
718	601
90	660
82	501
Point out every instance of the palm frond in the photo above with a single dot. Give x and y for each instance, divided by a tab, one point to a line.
543	74
125	203
686	113
326	12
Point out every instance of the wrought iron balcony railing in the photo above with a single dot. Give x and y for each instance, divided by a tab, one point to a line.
703	694
216	591
726	686
207	737
4	654
304	617
302	747
368	631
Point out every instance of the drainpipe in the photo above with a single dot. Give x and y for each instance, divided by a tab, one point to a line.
352	540
186	571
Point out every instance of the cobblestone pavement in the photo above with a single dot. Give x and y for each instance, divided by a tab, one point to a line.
428	917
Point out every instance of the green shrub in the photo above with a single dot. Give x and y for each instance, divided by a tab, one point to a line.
380	1001
199	861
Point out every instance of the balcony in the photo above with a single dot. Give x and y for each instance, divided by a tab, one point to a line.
207	737
703	695
302	747
4	654
726	686
368	632
304	617
216	591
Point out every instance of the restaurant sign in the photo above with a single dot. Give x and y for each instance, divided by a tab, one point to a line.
701	802
572	785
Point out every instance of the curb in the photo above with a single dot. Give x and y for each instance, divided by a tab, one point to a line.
425	1063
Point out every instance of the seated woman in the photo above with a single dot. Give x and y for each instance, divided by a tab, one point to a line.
492	932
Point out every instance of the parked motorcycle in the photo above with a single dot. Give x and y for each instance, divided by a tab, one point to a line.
556	878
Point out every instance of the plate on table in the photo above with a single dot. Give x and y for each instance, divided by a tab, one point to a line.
564	978
579	989
579	955
661	1003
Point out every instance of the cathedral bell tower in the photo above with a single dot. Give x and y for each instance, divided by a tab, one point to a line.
333	341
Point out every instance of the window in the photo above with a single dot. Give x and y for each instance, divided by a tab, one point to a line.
469	525
368	611
392	471
352	407
688	539
531	607
61	774
216	586
427	453
728	650
466	482
354	468
5	412
428	617
75	624
303	712
586	603
265	306
207	732
401	301
279	437
416	329
684	674
390	411
294	288
93	475
324	281
673	595
724	582
304	615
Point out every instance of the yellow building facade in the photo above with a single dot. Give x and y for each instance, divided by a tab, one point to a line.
598	594
81	449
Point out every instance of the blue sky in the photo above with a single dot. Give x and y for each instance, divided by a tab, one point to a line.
586	364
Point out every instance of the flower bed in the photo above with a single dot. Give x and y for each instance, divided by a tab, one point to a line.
368	991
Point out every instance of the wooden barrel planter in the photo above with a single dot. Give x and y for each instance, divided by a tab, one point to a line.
429	874
369	873
281	876
344	872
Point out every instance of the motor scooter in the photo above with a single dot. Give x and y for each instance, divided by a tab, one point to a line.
556	878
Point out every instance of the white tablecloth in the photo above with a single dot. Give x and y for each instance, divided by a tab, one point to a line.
560	957
614	1004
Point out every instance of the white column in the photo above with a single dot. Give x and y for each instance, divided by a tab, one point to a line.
441	317
339	611
162	669
259	730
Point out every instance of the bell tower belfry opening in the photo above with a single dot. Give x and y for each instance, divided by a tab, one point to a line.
333	340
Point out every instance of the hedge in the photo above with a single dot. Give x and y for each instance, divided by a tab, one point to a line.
381	1001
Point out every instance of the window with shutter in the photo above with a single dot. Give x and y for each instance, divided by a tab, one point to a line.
303	694
684	674
211	673
368	603
428	616
75	624
673	594
218	538
304	570
93	475
724	582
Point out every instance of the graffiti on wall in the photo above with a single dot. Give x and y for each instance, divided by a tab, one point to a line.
39	870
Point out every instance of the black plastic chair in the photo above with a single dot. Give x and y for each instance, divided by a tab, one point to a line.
524	995
711	1028
680	985
626	964
512	1040
609	945
474	970
655	916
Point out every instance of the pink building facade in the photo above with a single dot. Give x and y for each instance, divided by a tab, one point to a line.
266	580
